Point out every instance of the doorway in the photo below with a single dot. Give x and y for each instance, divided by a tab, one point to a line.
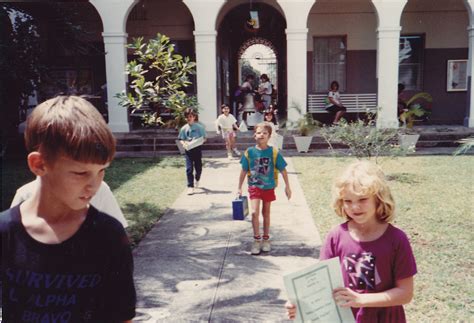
256	57
242	50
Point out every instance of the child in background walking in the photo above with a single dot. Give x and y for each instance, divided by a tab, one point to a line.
376	258
191	131
269	117
227	125
261	164
61	258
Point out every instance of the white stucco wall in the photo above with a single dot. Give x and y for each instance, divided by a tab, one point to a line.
443	24
442	30
358	27
169	17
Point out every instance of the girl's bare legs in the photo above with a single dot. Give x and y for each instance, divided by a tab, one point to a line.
338	116
266	217
228	144
266	247
231	143
255	205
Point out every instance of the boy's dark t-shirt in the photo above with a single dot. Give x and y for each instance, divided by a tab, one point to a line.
87	278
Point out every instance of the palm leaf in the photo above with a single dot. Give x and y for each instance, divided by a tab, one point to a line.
422	95
466	145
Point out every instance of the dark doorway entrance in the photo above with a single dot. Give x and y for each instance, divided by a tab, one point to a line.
243	49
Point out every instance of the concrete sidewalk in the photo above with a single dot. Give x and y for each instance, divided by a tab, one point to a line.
195	264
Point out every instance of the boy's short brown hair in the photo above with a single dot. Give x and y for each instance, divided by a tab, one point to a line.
190	111
264	125
70	126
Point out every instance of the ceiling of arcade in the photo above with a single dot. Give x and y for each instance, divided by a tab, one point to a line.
169	17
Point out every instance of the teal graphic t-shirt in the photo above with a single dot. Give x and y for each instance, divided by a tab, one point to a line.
262	167
189	132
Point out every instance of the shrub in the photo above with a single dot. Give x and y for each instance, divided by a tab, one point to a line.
363	138
165	91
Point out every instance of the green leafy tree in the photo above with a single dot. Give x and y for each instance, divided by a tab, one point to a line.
159	77
24	67
19	63
247	69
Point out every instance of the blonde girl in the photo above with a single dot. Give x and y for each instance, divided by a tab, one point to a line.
376	258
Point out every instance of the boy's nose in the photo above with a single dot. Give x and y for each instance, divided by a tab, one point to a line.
94	183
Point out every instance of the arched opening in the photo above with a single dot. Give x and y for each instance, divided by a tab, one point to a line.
251	39
257	56
172	19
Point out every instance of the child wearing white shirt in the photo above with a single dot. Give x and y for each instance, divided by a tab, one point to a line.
269	117
227	125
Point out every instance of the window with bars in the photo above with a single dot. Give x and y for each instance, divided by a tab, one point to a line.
410	61
329	62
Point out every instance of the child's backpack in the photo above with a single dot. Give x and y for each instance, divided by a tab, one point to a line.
275	170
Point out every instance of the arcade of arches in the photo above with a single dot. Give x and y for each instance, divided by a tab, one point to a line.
216	33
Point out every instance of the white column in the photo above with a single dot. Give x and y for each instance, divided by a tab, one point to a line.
206	76
296	14
469	119
388	38
115	61
205	13
114	15
297	72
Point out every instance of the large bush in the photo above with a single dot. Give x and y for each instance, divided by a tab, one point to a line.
158	79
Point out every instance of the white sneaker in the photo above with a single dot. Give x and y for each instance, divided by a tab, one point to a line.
196	184
229	156
236	151
256	247
266	247
190	191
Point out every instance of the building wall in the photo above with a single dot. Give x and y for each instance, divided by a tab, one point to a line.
169	17
448	107
444	27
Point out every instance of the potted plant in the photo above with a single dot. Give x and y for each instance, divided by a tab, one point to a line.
416	107
305	126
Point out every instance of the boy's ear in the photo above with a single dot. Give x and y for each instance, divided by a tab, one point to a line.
37	163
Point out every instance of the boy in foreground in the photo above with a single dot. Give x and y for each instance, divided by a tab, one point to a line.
262	163
61	259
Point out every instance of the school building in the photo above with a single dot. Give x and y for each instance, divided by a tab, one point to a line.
368	46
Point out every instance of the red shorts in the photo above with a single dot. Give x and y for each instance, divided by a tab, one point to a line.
257	193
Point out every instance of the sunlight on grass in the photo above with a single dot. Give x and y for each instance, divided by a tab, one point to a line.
434	199
145	188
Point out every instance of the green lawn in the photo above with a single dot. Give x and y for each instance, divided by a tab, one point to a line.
434	199
434	196
144	187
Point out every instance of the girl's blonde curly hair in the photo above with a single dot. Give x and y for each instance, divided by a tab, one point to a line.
364	178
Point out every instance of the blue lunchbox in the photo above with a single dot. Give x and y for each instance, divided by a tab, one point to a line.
240	208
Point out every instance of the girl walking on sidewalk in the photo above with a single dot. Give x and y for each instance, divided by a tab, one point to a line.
261	164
